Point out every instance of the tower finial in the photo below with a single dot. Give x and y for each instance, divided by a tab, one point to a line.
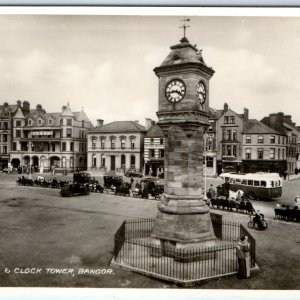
184	26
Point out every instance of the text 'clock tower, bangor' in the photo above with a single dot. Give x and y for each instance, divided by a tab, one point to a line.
183	220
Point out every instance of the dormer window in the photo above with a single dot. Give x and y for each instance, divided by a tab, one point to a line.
29	122
50	121
40	122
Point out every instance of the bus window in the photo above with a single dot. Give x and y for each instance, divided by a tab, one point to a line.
244	181
279	182
231	180
226	179
272	183
250	182
263	183
256	183
238	181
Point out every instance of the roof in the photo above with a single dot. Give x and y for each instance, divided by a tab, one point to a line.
184	53
256	127
119	127
155	132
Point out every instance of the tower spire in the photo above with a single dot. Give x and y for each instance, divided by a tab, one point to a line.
184	26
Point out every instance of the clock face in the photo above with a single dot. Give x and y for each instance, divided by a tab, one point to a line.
201	89
175	91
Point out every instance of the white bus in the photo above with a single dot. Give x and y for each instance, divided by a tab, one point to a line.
255	185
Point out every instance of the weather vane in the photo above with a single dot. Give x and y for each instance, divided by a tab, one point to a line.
184	26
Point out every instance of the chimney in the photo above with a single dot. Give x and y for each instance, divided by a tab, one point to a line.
5	104
26	107
39	107
225	107
246	114
19	103
99	123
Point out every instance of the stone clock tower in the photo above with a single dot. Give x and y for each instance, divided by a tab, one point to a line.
183	220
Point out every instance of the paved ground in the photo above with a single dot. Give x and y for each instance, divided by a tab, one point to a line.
41	230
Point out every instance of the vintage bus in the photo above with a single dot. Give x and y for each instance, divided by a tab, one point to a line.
255	185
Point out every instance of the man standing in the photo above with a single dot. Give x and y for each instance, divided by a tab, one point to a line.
243	256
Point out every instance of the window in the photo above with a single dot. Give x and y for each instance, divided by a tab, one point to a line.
69	132
278	153
132	161
29	122
122	143
228	134
64	147
152	153
248	139
260	153
113	144
232	120
53	147
248	153
263	183
226	120
250	182
223	150
50	121
14	147
71	162
256	183
272	153
71	146
234	135
278	140
94	141
18	133
94	161
61	122
4	149
123	161
132	144
228	150
103	160
151	141
18	123
69	122
40	122
4	137
272	139
82	123
161	153
102	143
161	141
223	134
260	139
234	150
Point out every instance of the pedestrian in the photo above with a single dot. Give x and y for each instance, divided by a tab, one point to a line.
131	181
243	256
285	174
297	202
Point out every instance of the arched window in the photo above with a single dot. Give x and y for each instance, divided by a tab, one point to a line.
132	161
103	160
123	161
94	160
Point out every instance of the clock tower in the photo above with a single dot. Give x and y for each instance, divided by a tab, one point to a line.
183	219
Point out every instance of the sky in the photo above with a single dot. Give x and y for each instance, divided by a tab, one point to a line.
105	63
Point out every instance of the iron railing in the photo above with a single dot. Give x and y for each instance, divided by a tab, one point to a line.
135	249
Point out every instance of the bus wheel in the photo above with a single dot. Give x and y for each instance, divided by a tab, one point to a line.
252	196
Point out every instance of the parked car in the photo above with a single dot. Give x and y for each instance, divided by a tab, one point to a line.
133	173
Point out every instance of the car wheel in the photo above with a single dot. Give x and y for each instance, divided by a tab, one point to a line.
250	224
252	196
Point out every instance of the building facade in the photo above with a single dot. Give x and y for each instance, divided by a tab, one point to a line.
283	124
6	127
263	149
117	147
154	151
48	141
229	129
